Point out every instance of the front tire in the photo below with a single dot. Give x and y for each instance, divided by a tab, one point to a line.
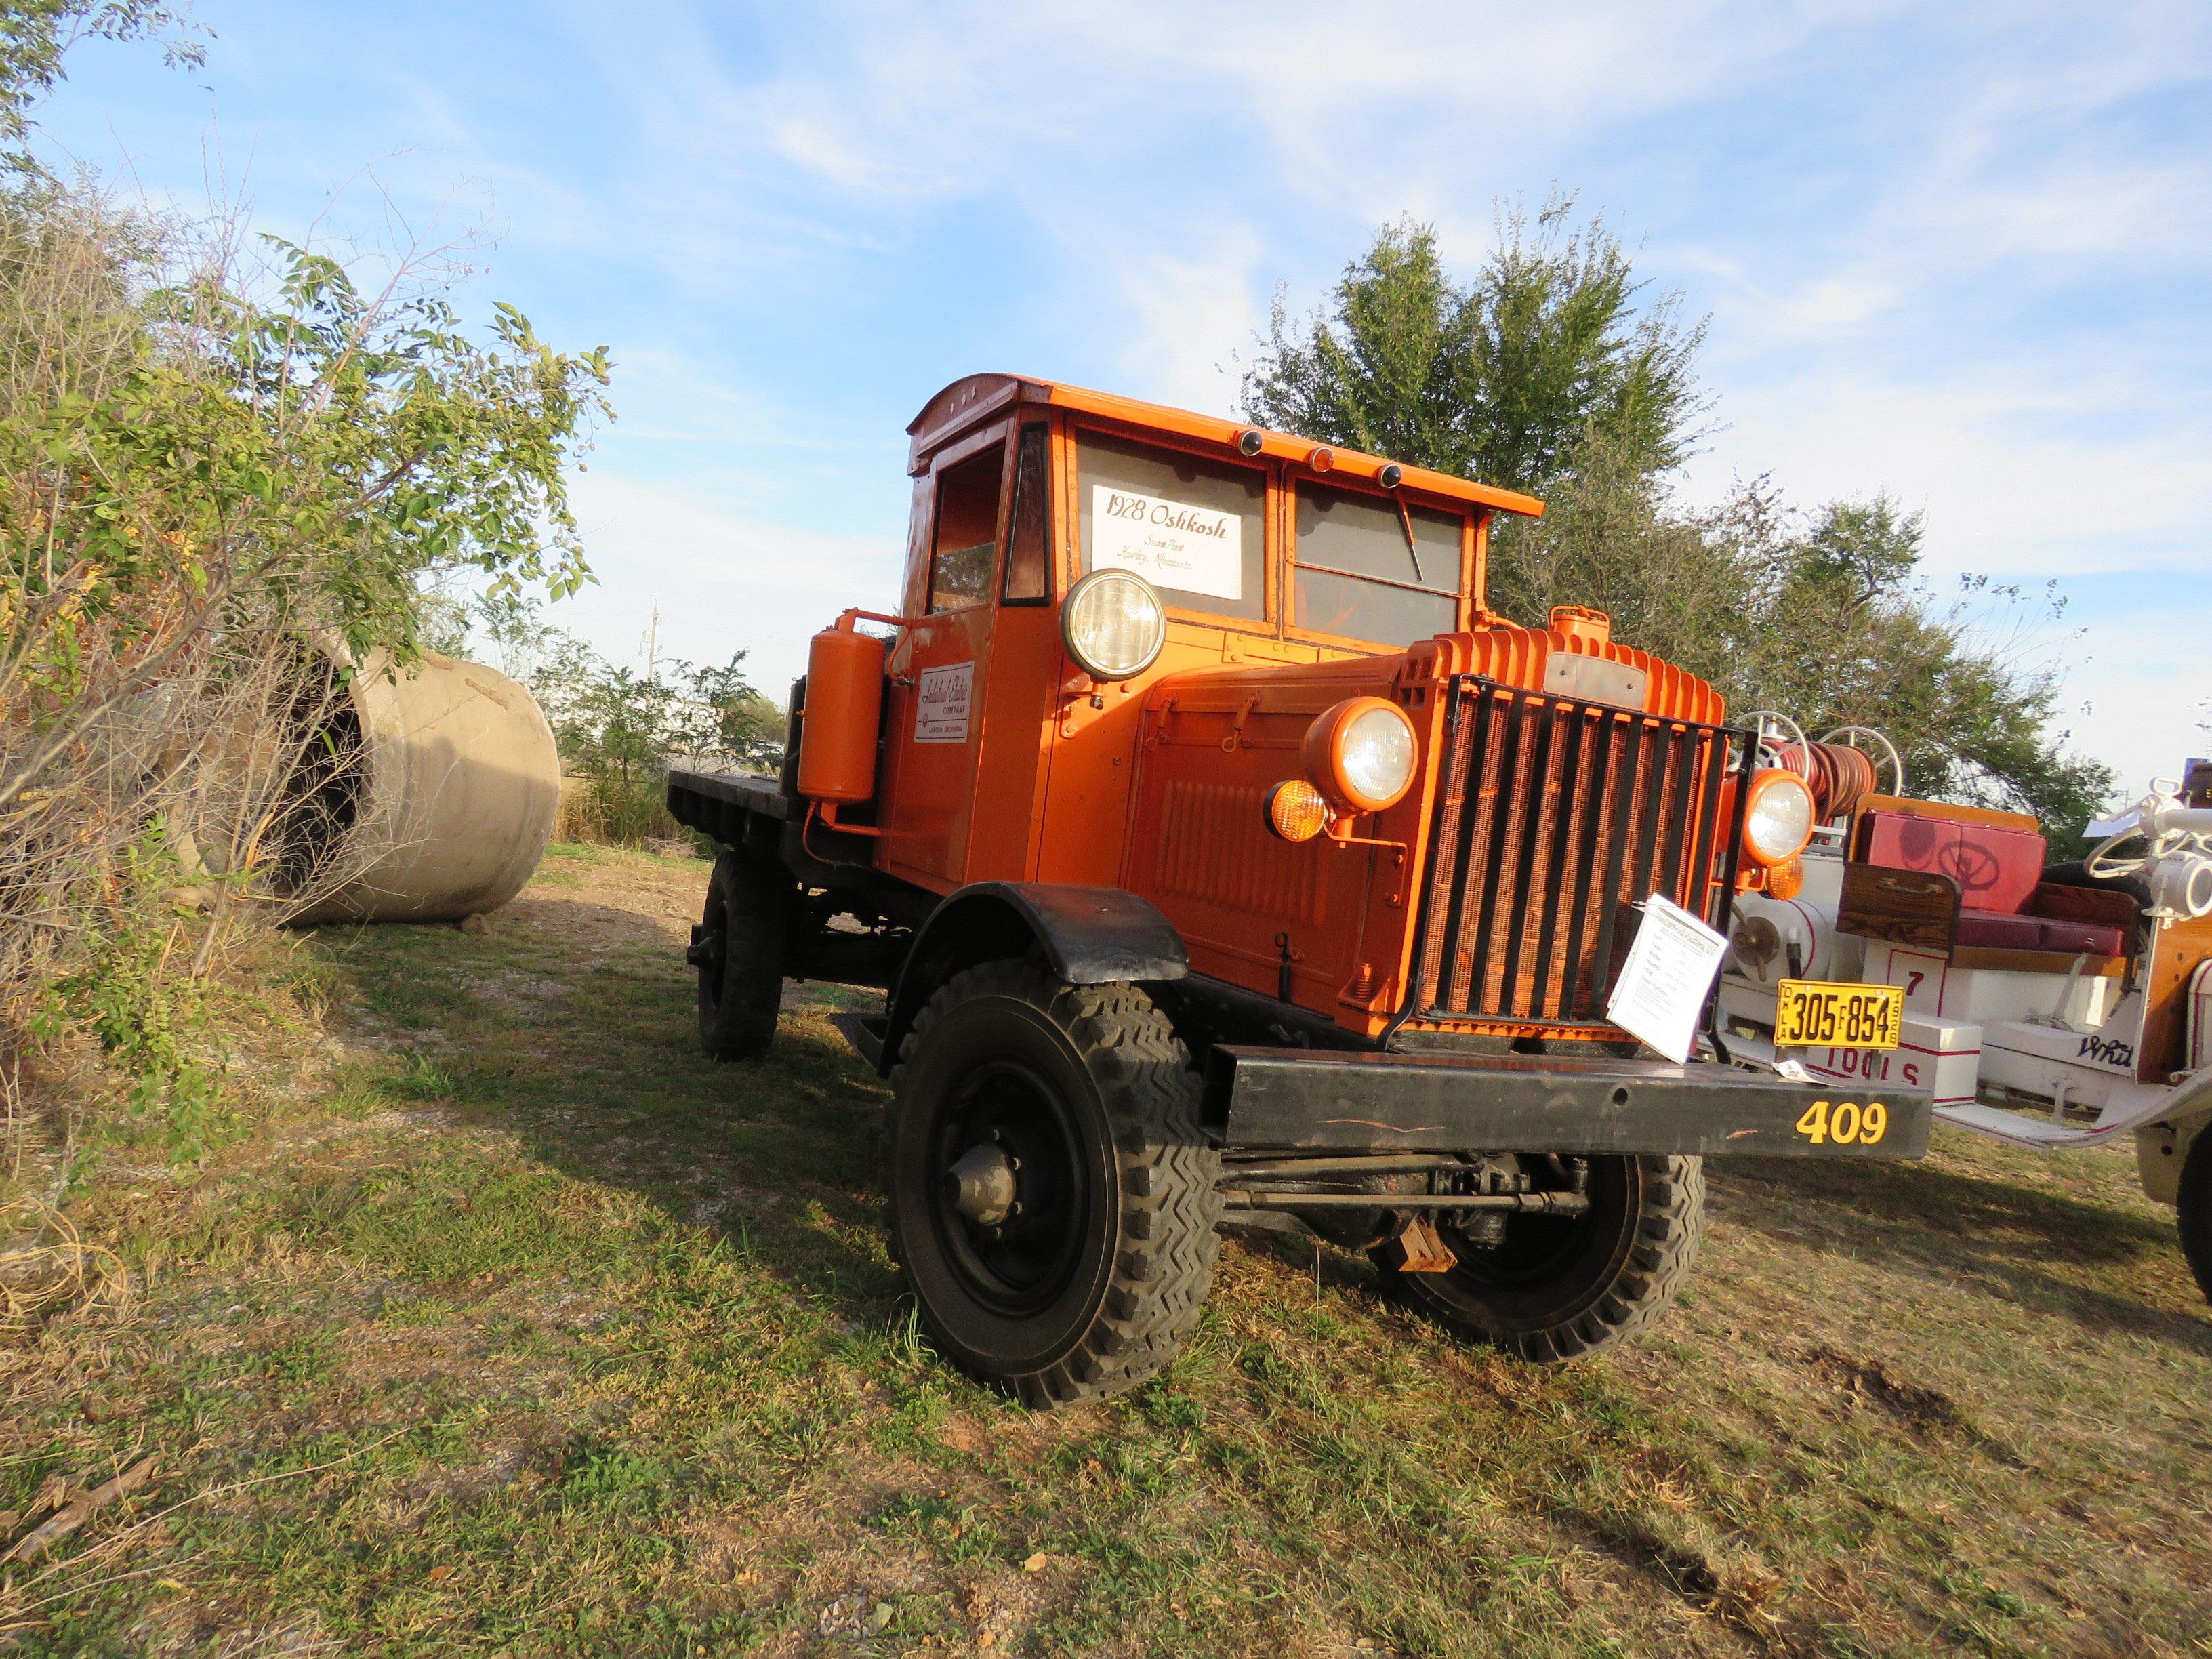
2192	1207
739	948
1053	1199
1557	1288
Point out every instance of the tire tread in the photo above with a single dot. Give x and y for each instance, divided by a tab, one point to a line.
757	896
2193	1209
1164	1265
1669	1227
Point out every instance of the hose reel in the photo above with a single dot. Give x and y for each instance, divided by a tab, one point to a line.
2176	860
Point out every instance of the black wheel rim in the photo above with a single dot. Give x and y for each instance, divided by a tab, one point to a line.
1020	1267
714	937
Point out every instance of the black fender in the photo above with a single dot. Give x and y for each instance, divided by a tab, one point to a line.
1084	935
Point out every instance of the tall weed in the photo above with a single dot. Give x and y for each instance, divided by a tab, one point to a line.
153	1024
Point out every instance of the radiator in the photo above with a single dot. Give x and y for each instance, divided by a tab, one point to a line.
1554	817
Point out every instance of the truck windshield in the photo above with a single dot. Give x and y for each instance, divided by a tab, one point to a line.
1357	577
1195	529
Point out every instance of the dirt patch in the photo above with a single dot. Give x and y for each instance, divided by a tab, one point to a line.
1924	1411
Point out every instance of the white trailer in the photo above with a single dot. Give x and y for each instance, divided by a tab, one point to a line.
2046	1005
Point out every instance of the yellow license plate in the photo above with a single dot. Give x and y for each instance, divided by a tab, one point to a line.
1808	1014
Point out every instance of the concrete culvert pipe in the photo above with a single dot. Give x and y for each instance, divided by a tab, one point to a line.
428	796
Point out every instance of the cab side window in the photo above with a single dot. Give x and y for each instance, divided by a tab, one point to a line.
1030	530
967	531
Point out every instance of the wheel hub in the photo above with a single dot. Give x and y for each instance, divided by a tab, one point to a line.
980	1185
1009	1196
707	948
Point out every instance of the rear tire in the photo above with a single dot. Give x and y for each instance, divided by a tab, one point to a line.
739	949
1081	1103
2192	1207
1560	1287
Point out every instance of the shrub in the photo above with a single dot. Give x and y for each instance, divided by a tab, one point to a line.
225	464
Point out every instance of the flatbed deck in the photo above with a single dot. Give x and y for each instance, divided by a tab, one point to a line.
712	802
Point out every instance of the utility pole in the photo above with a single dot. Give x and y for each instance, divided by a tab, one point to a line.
652	642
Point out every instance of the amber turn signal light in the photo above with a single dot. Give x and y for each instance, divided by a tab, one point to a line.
1786	880
1295	810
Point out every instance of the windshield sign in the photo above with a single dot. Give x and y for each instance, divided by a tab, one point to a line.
1169	544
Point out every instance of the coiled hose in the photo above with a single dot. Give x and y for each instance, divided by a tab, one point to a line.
1839	776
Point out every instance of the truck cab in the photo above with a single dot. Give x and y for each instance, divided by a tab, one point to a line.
1218	848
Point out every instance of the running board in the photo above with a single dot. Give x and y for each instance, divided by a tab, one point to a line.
2038	1134
865	1032
2190	1097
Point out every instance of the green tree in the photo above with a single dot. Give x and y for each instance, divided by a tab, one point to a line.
1847	633
1556	370
1673	584
619	731
1501	379
252	468
213	466
725	719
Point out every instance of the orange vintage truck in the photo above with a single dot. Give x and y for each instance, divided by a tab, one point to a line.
1218	850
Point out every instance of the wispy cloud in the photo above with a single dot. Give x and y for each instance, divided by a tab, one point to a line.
1957	251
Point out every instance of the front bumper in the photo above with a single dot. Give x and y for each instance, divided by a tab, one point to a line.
1319	1100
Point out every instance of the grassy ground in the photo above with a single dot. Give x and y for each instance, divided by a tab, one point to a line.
520	1328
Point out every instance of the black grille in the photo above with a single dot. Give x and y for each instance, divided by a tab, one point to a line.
1554	817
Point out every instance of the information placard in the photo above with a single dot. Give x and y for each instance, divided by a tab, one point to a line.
940	703
1662	984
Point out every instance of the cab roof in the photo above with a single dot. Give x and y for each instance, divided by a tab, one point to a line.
969	401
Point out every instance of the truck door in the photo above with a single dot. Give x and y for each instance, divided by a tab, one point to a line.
974	683
940	670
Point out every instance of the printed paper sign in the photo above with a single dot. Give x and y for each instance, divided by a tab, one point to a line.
940	703
1662	984
1168	543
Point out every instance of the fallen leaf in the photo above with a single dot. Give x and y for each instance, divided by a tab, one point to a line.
989	1638
1035	1563
441	1572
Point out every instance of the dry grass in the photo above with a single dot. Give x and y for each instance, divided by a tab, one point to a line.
52	1267
522	1329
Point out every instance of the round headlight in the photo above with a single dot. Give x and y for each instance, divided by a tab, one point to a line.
1361	753
1778	821
1112	624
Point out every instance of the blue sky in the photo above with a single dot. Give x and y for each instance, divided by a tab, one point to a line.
1961	253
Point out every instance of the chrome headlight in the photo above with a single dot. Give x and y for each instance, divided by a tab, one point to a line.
1112	624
